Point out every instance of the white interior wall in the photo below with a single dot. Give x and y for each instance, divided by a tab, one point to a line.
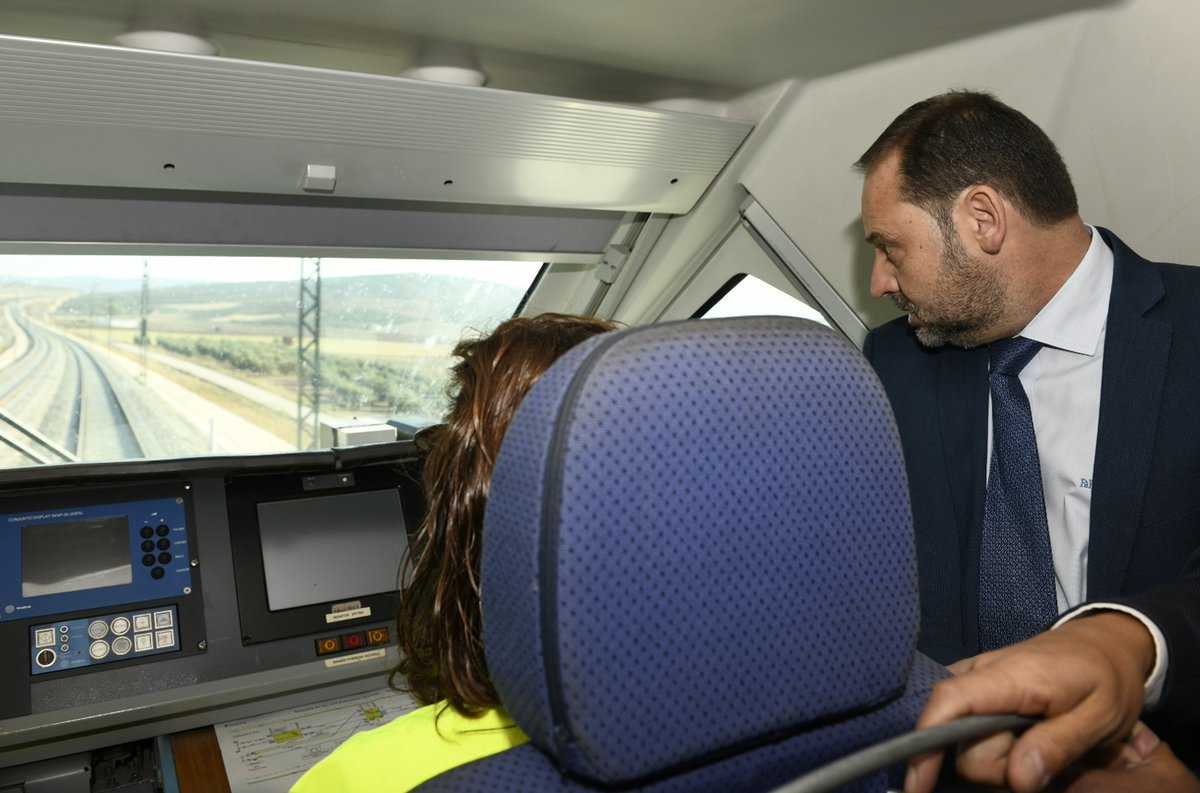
688	240
1129	127
1113	88
803	174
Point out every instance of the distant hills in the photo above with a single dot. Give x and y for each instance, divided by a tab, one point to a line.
378	303
74	283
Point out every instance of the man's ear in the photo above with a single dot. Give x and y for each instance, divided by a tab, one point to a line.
986	217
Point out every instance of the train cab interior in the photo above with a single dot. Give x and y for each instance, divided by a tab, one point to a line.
239	242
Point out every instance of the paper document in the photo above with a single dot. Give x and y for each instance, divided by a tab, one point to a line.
267	754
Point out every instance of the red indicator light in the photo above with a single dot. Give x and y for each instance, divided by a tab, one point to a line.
354	641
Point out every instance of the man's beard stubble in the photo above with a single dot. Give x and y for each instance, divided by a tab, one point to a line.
969	300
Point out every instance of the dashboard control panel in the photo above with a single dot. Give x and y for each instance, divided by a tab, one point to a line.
62	559
76	643
151	593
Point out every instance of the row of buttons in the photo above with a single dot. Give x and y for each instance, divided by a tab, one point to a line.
162	531
353	641
142	642
98	629
149	545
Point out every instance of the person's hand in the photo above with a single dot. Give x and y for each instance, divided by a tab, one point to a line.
1145	763
1085	679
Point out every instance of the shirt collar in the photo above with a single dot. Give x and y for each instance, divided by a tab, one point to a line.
1075	317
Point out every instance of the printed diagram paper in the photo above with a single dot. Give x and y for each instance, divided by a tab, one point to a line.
267	754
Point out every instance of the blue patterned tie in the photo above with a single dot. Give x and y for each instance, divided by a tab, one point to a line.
1016	567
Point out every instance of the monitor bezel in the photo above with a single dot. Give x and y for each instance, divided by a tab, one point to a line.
244	494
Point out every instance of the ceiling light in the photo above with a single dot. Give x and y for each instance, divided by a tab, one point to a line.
447	63
166	41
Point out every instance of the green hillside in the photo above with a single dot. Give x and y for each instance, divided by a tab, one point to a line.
410	306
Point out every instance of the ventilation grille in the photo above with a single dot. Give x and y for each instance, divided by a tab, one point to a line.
116	96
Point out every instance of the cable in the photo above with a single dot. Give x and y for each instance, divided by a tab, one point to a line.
833	776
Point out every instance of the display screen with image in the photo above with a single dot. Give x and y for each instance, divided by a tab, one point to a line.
69	557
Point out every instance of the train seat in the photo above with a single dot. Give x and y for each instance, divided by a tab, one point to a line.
698	565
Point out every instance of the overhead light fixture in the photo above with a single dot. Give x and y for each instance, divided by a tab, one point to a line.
447	63
166	41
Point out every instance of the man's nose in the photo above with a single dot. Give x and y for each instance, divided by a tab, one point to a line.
883	277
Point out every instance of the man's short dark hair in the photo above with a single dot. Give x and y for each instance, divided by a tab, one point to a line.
954	140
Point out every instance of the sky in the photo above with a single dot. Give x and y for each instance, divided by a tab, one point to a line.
218	269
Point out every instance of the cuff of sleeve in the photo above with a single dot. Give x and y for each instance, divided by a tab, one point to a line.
1158	675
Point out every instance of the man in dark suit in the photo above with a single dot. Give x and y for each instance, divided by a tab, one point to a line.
1044	384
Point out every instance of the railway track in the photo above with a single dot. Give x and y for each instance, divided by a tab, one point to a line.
58	403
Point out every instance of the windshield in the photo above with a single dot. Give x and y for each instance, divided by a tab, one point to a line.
116	358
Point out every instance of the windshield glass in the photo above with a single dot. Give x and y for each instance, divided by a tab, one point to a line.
115	357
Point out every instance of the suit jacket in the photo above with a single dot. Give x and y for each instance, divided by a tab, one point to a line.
1144	545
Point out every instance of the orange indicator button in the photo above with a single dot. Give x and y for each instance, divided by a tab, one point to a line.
377	636
329	645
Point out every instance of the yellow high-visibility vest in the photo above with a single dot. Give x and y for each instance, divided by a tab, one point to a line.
411	749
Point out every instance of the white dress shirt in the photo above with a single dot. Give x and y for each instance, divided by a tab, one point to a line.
1063	385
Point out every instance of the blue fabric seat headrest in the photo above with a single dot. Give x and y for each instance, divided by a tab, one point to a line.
698	537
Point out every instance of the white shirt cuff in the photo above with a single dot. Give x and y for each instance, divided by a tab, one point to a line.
1158	675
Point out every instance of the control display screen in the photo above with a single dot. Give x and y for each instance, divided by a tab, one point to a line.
68	557
329	548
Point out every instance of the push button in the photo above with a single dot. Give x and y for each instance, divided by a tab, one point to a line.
329	645
44	637
143	642
164	544
148	560
164	558
98	629
121	645
147	532
163	619
45	658
98	650
354	641
163	530
157	572
378	636
147	546
141	622
119	625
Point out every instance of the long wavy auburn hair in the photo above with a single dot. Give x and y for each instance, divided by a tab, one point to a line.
439	625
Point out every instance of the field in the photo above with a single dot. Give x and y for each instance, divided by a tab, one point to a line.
385	340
